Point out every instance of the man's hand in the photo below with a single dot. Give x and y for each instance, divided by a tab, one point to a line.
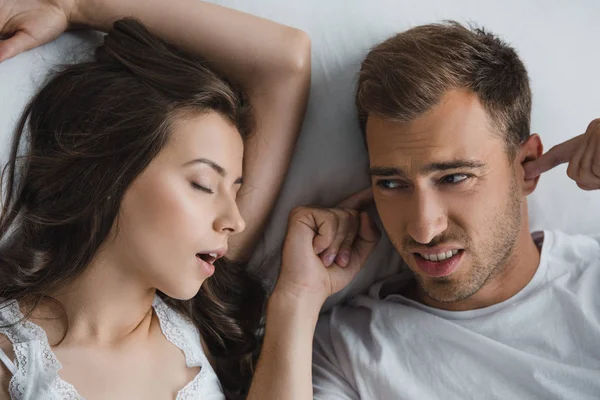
325	248
26	24
581	152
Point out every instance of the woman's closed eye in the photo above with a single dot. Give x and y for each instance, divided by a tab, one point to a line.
202	188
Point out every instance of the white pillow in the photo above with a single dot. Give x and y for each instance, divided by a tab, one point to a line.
21	76
556	40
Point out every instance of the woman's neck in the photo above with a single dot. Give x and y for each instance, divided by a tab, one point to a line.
107	305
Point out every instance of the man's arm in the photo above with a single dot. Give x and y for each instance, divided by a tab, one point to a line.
284	366
287	357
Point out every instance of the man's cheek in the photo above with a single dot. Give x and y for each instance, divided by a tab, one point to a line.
395	230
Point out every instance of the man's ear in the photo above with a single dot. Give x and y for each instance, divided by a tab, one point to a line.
530	150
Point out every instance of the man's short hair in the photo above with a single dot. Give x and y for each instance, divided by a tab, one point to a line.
408	74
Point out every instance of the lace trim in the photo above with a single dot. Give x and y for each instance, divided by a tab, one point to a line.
24	335
178	330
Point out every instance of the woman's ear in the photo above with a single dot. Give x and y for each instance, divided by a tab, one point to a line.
530	150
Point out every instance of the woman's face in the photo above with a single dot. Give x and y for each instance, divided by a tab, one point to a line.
180	211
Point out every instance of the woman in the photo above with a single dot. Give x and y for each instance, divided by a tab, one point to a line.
118	214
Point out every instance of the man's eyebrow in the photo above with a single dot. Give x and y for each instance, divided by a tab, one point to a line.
455	164
433	167
386	171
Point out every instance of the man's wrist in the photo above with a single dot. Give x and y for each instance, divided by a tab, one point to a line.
300	298
289	306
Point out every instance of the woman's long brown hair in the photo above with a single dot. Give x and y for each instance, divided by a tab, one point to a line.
81	141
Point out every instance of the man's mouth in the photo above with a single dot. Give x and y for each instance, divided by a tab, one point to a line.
438	257
439	263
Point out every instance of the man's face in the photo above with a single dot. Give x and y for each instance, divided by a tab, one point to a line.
447	194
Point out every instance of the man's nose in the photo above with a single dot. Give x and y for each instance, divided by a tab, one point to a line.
427	216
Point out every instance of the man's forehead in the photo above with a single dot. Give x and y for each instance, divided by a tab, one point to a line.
456	129
420	149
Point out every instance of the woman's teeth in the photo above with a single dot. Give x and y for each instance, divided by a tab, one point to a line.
208	257
440	256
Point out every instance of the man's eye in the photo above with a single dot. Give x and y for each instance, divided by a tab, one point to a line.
390	184
454	178
202	188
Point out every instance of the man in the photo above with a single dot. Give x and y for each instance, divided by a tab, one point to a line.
489	310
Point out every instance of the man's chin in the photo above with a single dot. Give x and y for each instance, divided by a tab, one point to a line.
445	289
444	292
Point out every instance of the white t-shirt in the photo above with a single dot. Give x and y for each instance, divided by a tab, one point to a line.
543	343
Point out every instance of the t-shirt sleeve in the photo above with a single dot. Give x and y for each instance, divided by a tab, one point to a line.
329	380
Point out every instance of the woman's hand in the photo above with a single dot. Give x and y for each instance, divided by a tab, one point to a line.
26	24
325	248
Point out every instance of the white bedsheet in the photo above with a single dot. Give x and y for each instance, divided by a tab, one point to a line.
558	41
